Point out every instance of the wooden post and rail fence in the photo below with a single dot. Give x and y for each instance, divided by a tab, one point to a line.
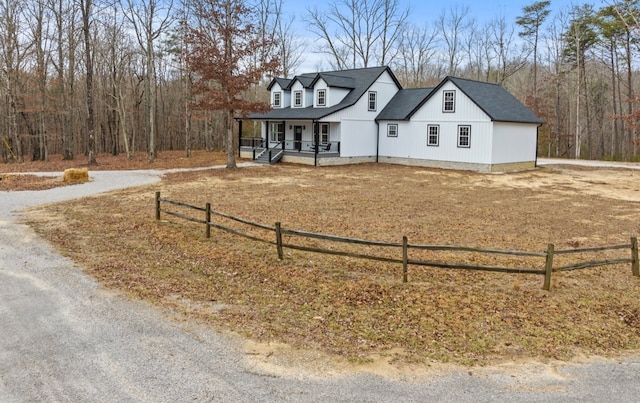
405	247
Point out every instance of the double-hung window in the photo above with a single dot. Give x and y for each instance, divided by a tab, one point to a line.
321	99
448	101
373	100
324	133
433	135
277	132
297	99
464	136
277	99
392	130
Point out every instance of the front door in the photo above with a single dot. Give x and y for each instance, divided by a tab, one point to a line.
297	138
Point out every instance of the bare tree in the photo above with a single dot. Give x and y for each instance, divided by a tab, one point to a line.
479	49
64	16
150	19
37	13
358	33
452	26
86	12
628	16
292	47
12	57
509	59
580	37
416	52
558	118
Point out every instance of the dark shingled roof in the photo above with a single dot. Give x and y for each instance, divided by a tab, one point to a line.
305	79
495	101
336	80
359	80
284	83
404	104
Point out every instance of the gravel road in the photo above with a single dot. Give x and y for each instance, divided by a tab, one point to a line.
64	338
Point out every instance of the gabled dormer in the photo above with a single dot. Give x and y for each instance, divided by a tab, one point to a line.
280	95
297	94
317	95
330	89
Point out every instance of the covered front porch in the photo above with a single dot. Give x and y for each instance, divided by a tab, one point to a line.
293	141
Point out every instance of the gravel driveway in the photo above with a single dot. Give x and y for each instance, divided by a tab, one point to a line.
63	338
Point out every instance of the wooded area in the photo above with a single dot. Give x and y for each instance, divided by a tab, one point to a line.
84	77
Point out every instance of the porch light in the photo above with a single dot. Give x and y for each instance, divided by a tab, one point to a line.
304	127
290	127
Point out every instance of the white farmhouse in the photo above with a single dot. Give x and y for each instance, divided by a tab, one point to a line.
364	115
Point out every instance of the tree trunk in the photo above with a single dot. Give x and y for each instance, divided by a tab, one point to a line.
88	58
230	140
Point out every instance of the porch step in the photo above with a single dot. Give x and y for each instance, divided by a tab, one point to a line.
276	155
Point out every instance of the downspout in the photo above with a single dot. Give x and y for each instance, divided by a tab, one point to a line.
535	165
377	140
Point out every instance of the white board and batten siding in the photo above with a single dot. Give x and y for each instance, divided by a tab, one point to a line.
412	136
285	96
333	95
358	129
306	101
514	142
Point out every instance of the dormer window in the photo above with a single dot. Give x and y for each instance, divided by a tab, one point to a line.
297	99
449	101
321	98
277	96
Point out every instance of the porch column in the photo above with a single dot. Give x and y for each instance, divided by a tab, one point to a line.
239	135
266	140
284	134
316	141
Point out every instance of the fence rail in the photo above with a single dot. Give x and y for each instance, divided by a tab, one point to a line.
403	246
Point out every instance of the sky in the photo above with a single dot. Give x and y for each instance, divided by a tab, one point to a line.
428	11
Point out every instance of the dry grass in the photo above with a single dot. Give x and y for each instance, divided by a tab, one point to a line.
13	177
17	182
165	159
358	309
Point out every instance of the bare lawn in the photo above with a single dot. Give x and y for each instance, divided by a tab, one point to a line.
359	310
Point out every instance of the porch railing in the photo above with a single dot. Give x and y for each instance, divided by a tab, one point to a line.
309	146
252	142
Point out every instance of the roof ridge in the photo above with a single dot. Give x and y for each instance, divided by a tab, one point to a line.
473	81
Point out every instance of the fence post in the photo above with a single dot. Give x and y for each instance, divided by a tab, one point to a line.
207	212
279	241
635	264
405	258
548	267
157	205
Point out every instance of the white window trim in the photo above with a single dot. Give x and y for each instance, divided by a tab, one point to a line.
375	101
324	98
444	101
277	99
324	137
295	99
437	143
273	134
468	136
393	126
